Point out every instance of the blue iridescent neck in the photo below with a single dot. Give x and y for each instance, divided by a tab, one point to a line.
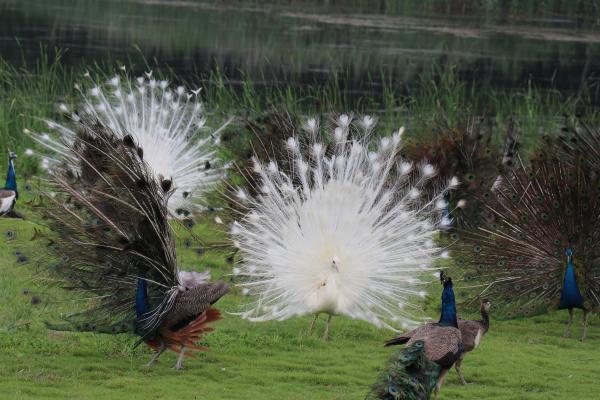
141	297
570	295
11	178
448	316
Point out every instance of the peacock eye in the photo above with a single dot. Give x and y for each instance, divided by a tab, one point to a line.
568	211
470	177
9	234
454	236
552	178
524	218
539	199
555	204
557	242
501	263
477	248
545	216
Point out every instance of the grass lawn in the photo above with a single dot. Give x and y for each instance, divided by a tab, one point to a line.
520	359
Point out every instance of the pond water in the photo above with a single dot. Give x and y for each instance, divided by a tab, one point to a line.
506	43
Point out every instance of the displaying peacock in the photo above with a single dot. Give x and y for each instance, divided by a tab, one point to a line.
468	151
110	240
165	122
442	343
539	248
9	194
344	231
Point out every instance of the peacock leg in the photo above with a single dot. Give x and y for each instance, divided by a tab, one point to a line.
569	323
586	315
311	328
439	383
179	364
326	334
457	366
154	359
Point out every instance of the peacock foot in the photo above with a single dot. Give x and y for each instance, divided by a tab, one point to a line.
178	367
567	334
583	338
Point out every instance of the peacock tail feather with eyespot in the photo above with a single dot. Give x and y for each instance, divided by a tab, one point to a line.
470	153
110	242
333	233
165	122
408	375
539	248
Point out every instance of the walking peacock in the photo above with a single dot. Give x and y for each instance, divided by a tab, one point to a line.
163	121
539	249
442	342
110	239
9	194
344	231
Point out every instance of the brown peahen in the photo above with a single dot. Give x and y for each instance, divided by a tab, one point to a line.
472	333
539	248
111	239
442	342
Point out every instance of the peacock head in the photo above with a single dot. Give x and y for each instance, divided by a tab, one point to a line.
12	155
486	305
335	263
445	279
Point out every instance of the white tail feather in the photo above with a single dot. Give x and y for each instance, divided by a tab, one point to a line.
348	233
164	122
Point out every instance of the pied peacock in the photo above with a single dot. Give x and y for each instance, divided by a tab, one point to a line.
442	342
539	249
343	231
165	122
111	240
9	194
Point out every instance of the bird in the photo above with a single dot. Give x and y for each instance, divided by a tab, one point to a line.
407	375
469	152
442	340
109	238
165	121
343	231
472	333
538	250
9	194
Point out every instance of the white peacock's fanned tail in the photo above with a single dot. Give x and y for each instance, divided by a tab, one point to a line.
166	124
347	232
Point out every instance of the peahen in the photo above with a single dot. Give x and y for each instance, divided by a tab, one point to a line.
539	248
472	333
442	340
468	151
111	240
335	234
9	194
165	122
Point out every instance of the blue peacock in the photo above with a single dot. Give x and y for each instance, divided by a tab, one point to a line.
110	240
538	249
409	375
9	194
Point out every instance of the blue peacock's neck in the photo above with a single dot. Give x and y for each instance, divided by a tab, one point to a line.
448	316
141	297
570	296
11	178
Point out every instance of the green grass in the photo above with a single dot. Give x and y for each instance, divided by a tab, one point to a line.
521	359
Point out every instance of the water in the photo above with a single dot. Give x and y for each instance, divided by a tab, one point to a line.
506	43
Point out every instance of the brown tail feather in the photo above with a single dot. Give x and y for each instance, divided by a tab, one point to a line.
188	335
